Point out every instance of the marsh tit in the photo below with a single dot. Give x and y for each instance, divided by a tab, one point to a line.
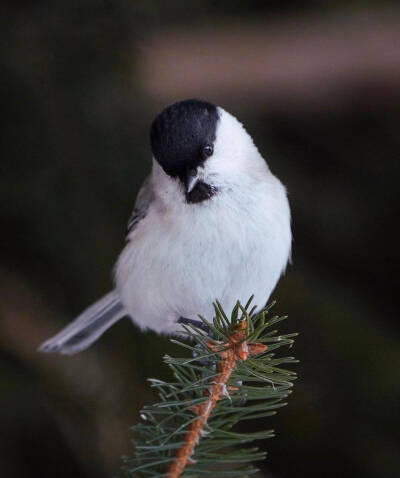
210	222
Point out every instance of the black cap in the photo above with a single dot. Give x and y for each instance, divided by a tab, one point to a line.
182	136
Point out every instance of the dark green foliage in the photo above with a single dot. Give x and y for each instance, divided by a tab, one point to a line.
262	385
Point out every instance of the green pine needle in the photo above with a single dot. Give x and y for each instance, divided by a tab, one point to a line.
262	384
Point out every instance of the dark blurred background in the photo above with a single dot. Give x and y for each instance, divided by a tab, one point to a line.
317	84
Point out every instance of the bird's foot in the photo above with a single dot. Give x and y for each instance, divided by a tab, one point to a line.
198	323
205	362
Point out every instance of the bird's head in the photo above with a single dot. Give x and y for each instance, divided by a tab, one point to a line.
202	148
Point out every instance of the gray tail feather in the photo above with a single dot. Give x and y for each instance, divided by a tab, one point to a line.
87	327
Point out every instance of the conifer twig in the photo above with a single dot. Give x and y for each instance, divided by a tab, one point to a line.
193	422
236	349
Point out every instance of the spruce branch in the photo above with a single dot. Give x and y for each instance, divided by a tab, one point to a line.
232	376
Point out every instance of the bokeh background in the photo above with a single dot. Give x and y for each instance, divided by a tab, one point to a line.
317	84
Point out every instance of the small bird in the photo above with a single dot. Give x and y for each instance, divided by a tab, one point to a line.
210	222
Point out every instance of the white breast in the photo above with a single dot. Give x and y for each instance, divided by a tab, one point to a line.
180	259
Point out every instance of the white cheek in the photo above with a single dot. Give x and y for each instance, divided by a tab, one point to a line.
236	158
222	168
229	162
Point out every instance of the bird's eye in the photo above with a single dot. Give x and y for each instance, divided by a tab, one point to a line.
208	150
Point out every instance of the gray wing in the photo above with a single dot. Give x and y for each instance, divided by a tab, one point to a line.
143	201
95	320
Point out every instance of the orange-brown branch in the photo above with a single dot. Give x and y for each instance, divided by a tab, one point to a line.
237	349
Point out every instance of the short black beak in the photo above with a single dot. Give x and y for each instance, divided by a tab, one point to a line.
191	179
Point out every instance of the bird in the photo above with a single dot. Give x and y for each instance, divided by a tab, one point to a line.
211	222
